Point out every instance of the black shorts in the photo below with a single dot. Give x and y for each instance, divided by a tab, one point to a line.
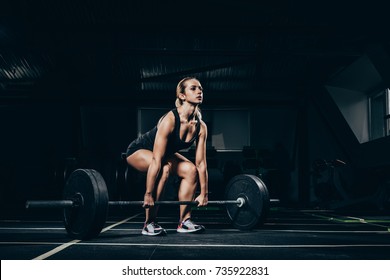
141	142
133	147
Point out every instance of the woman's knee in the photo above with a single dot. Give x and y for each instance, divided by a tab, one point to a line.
188	171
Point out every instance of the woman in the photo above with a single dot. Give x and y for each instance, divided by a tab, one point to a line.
156	152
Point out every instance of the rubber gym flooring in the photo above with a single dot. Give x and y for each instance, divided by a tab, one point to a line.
288	234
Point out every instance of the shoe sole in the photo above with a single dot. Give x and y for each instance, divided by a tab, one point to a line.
153	233
191	230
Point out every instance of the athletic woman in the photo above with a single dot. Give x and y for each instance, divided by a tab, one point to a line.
157	153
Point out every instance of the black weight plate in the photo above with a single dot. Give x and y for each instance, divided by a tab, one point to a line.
256	208
266	199
86	221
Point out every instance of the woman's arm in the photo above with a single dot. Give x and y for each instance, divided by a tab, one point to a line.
201	165
165	128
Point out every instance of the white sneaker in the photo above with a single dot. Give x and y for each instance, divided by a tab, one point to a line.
189	226
152	229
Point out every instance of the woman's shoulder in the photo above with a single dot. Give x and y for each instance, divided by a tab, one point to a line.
170	116
167	120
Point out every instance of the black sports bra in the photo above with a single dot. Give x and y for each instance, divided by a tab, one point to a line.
175	143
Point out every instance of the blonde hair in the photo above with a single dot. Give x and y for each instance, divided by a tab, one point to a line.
181	86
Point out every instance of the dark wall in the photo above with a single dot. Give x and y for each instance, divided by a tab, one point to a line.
42	143
35	138
106	131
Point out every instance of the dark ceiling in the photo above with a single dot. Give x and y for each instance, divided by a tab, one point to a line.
136	51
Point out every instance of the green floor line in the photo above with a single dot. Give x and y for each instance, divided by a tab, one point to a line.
348	220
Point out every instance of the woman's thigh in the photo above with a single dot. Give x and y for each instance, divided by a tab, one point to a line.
178	164
140	159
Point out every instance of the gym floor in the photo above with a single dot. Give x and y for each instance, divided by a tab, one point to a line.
288	234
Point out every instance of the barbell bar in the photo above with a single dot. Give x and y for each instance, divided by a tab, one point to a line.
51	204
72	203
85	203
240	201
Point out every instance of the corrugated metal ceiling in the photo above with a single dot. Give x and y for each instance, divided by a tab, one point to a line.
141	47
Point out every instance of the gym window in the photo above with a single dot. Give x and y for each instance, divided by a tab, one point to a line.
379	114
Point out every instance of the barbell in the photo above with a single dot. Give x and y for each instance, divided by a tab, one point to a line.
85	203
